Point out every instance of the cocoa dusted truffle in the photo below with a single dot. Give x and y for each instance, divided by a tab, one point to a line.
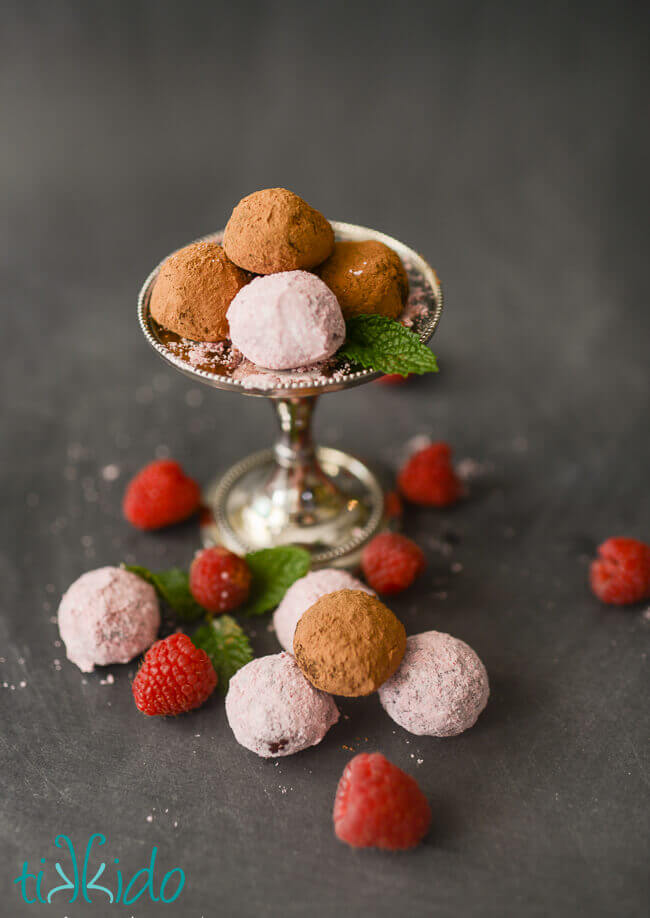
366	278
349	643
274	230
193	291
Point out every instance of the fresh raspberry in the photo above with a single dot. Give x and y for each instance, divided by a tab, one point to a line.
219	580
175	677
391	562
378	805
393	507
621	575
392	379
159	495
428	478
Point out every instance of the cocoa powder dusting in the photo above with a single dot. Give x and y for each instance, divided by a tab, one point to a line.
366	278
193	291
275	230
348	643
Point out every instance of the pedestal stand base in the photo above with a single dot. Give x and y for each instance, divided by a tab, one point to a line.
331	507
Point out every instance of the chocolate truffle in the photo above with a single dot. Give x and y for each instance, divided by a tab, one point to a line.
108	615
302	595
193	290
275	230
440	688
348	643
367	278
273	710
286	320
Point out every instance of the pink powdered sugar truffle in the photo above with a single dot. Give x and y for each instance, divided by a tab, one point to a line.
108	616
273	710
440	688
302	594
286	320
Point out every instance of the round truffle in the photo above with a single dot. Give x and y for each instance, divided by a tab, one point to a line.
349	643
303	593
108	616
275	230
286	320
439	690
193	290
273	710
367	278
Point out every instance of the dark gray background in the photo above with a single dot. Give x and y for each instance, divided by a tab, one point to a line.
507	142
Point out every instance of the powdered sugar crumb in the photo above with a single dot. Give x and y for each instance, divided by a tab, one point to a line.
470	469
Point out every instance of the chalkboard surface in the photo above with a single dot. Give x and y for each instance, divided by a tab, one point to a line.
506	142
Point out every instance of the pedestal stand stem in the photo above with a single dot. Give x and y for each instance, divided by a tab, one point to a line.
298	483
294	447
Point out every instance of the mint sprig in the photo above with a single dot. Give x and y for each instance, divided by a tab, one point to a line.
380	343
226	644
173	586
273	570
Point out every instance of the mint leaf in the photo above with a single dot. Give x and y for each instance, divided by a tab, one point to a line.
380	343
227	646
273	570
173	586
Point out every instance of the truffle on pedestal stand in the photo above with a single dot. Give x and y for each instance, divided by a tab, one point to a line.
295	493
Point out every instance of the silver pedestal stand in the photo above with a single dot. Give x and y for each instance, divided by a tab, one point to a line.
296	493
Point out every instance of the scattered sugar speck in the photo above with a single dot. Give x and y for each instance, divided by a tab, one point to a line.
110	472
469	469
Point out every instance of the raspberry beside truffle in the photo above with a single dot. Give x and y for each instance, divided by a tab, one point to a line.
193	290
274	230
366	278
349	643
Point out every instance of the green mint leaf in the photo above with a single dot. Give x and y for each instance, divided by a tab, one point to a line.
173	586
273	570
380	343
227	646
